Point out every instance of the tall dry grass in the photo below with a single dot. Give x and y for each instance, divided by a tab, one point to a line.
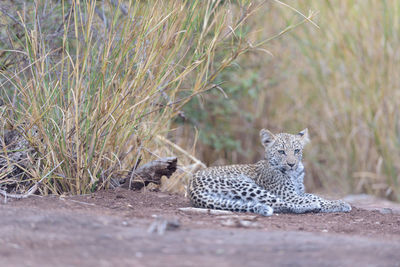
341	81
353	93
90	84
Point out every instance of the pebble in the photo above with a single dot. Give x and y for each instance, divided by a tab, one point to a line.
385	211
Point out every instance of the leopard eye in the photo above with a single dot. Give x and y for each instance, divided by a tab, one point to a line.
297	151
282	152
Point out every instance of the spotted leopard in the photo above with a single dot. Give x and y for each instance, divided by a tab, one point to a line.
274	184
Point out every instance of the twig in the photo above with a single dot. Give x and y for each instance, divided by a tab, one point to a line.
287	29
205	211
298	12
80	202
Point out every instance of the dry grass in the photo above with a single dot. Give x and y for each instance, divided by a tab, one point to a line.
90	83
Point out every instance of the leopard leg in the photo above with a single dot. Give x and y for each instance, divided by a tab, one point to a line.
210	201
294	202
299	204
330	205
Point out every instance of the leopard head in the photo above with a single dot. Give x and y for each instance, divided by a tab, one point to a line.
284	151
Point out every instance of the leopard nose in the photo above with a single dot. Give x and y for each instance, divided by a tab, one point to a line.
290	164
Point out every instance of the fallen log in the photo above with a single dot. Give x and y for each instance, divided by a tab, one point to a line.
150	172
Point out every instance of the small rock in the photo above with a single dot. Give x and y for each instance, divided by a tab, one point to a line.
160	225
385	211
220	251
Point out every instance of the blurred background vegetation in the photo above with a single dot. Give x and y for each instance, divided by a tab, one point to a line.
101	83
341	81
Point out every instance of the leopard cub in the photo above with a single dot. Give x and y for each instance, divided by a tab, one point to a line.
274	184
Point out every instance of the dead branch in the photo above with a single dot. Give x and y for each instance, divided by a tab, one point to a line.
150	172
31	191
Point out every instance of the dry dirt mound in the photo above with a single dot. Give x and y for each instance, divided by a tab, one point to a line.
111	228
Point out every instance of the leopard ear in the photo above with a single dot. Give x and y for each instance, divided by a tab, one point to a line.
267	138
304	137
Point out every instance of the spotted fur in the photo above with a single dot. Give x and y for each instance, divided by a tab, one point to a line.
271	185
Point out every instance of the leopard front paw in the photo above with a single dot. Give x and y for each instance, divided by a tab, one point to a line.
336	206
263	210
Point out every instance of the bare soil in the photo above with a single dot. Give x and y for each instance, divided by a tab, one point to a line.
112	228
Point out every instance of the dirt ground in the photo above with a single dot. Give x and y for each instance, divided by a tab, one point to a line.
128	228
